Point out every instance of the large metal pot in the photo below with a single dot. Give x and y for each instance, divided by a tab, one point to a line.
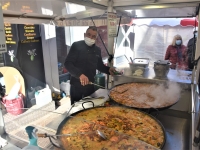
100	110
161	68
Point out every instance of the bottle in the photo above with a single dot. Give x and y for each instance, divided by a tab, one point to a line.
31	131
99	79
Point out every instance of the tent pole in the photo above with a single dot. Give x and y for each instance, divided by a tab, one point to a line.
110	44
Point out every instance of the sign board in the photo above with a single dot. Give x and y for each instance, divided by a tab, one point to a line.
28	33
98	22
11	34
2	33
112	24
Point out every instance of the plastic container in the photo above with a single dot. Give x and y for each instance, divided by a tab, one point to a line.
65	86
43	97
14	106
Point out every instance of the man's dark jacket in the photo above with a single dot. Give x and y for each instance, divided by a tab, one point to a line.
191	52
84	59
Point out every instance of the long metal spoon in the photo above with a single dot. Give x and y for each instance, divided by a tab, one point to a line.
101	135
97	85
44	135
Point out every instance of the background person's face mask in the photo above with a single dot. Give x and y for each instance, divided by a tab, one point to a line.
196	34
89	41
178	42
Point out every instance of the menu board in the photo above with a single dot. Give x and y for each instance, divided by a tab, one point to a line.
30	54
28	33
11	36
10	33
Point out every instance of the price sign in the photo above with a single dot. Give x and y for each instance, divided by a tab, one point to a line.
112	25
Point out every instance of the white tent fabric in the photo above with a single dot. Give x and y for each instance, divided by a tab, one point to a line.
159	22
153	36
152	41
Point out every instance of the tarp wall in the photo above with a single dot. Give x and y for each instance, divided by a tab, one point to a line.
152	41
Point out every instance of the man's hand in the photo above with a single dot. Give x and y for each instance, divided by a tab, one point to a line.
112	70
84	80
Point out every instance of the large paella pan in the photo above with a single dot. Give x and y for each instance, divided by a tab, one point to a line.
124	128
146	95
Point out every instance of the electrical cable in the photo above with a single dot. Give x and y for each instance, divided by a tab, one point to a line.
101	38
117	33
110	56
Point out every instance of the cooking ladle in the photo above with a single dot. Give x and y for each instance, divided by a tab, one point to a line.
97	85
101	135
45	135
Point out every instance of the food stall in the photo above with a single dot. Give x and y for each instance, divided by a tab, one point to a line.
180	119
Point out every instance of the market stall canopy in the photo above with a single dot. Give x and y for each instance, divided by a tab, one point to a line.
189	22
55	10
166	21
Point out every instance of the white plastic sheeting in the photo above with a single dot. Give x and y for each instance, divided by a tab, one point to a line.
179	12
152	41
166	21
159	22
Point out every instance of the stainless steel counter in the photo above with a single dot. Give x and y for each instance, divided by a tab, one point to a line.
177	133
173	75
184	81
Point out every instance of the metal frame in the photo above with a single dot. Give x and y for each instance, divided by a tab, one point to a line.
120	6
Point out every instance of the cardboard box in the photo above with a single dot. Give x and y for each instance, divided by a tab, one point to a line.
64	101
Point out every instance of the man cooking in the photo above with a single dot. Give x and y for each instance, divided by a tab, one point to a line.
82	61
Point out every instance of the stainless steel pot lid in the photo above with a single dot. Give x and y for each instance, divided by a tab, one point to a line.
162	62
141	61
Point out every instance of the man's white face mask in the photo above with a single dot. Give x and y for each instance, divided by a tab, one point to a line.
89	41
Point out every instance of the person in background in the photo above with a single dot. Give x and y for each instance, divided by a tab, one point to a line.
82	61
191	49
177	54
